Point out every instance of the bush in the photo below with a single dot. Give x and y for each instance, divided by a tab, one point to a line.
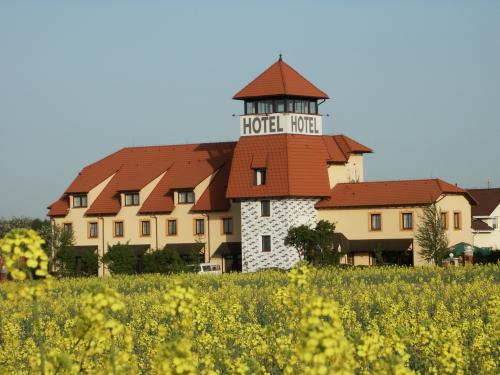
493	257
163	261
70	264
121	259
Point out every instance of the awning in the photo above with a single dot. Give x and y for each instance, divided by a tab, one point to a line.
228	248
389	245
186	248
459	248
80	250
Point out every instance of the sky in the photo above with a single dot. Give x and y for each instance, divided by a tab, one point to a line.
417	81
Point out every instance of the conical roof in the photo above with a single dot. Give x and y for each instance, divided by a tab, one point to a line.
280	79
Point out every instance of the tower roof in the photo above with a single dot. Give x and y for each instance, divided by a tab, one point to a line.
280	79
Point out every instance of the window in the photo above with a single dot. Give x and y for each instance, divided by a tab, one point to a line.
299	106
266	243
171	227
186	197
131	199
67	227
313	107
265	208
227	225
93	230
145	228
259	176
79	201
457	220
375	221
265	106
250	108
494	222
289	105
199	227
407	220
280	105
118	229
444	220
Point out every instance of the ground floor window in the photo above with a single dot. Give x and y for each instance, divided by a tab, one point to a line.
266	243
145	228
199	227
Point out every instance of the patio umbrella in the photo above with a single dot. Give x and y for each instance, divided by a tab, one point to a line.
459	248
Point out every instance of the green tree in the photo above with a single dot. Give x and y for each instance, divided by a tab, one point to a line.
166	261
120	259
318	245
431	235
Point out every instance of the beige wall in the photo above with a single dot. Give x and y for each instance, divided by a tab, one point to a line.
355	223
352	171
158	223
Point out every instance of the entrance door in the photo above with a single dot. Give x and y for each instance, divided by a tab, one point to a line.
232	263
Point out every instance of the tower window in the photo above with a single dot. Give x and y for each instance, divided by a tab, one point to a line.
280	105
290	105
131	199
250	108
313	107
265	208
260	176
265	106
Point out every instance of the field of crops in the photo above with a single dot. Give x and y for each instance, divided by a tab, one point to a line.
373	320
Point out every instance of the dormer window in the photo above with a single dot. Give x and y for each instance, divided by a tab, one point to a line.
131	199
80	201
186	197
260	176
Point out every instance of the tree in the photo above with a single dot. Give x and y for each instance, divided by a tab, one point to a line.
120	259
318	245
165	261
431	235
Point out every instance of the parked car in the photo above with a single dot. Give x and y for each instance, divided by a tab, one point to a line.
204	268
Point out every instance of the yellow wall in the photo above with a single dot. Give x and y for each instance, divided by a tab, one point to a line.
158	223
352	171
354	223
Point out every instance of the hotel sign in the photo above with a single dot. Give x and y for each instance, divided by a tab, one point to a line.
281	123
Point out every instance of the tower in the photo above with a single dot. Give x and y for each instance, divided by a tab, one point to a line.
278	171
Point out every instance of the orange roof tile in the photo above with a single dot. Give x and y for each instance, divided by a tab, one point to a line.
389	193
135	167
212	199
280	79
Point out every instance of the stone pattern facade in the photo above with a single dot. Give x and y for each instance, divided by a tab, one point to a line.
285	213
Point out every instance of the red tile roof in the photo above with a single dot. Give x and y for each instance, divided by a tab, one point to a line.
389	193
135	167
296	165
480	225
487	201
280	79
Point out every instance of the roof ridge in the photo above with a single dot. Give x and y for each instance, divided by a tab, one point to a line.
383	181
280	62
173	145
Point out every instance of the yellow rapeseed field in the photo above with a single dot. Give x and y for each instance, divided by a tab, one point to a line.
307	321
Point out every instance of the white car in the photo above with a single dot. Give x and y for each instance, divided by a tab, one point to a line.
205	268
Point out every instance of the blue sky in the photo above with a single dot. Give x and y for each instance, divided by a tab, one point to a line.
418	81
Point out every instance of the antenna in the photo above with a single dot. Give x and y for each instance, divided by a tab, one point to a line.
488	183
280	57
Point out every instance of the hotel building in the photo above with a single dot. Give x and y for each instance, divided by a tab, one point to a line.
235	201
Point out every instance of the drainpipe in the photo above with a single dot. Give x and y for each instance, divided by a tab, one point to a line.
52	248
156	230
208	237
102	231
